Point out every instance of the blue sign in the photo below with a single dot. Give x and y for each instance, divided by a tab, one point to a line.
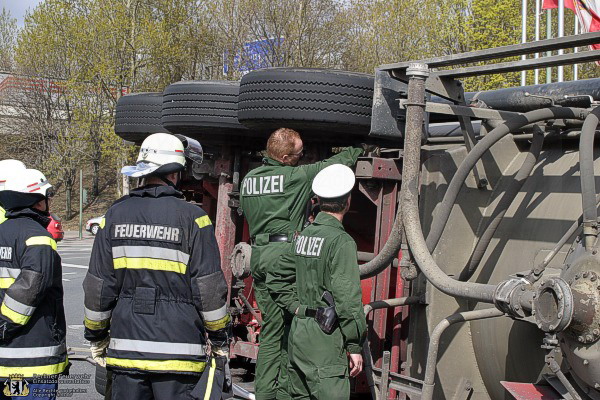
254	55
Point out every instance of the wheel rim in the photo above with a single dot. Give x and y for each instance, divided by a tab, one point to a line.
95	229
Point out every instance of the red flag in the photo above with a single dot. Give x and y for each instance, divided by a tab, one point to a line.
587	11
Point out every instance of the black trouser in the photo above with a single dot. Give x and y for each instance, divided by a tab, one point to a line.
152	386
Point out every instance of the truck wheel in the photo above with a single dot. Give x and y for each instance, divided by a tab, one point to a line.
306	100
138	115
202	107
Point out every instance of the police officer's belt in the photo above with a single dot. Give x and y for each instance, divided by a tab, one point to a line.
275	237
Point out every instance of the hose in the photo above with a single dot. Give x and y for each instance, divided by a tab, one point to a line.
434	343
588	184
479	150
507	199
388	253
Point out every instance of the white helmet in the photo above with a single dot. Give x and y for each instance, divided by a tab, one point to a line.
8	168
158	151
334	181
25	188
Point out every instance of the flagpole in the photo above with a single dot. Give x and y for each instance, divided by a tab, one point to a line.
548	36
537	38
575	50
523	37
561	33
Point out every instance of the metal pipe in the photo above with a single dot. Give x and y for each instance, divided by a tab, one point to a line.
410	196
434	343
504	203
561	33
391	303
479	150
537	272
250	308
523	37
588	184
364	256
548	36
368	360
388	253
555	368
536	79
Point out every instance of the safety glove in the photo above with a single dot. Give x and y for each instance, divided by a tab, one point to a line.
98	350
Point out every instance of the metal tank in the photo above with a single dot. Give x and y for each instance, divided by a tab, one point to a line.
500	230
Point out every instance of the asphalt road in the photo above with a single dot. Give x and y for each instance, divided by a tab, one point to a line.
75	254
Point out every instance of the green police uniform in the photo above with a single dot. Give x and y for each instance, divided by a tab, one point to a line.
274	200
323	258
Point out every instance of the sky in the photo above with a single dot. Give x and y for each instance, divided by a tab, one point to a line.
17	8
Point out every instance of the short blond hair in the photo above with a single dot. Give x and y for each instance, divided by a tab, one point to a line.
281	142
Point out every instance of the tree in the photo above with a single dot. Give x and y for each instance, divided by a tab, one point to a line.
8	38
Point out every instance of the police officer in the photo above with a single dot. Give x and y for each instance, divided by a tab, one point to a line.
8	168
155	288
274	200
32	317
319	282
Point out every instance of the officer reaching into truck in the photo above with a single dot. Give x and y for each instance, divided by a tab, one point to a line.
32	317
274	199
155	288
319	282
8	168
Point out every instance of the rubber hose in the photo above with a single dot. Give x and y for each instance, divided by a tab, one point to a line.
588	184
389	251
445	208
410	185
507	199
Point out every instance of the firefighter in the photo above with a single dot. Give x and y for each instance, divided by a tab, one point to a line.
274	198
155	289
32	317
7	168
319	282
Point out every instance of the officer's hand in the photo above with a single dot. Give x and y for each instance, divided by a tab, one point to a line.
370	150
356	364
98	350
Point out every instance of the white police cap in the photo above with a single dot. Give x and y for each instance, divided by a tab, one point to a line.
334	181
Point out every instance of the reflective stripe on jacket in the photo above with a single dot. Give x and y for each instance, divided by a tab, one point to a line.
32	318
155	284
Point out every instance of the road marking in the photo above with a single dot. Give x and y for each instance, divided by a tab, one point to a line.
75	326
75	266
69	273
66	280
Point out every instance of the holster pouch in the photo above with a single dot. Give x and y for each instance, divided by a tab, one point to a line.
144	300
326	317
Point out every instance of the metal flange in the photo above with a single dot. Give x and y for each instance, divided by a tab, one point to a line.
553	305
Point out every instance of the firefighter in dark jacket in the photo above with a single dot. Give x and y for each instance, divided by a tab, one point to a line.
32	317
155	292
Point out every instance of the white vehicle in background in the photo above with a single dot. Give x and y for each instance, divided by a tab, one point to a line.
93	225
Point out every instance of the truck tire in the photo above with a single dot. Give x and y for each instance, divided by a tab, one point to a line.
197	107
307	100
138	115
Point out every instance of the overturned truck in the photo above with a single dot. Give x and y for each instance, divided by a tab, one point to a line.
475	218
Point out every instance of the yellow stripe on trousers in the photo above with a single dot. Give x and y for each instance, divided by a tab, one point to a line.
157	365
29	372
